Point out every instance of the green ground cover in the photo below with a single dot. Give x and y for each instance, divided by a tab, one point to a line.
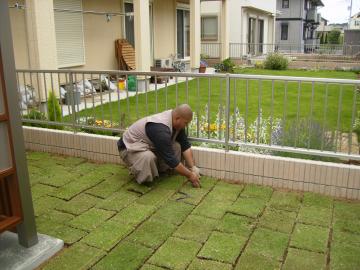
113	224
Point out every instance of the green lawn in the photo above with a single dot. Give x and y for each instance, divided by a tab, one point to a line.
288	104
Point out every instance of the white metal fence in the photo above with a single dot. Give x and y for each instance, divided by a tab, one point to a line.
309	116
241	50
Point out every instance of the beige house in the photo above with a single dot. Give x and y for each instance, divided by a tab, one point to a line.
81	34
237	28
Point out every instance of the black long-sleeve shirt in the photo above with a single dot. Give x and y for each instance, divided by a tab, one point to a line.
160	136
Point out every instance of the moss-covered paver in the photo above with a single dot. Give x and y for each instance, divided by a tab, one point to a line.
78	256
268	243
278	220
107	221
236	224
175	253
223	247
107	235
126	255
198	264
310	237
196	228
90	219
152	233
305	260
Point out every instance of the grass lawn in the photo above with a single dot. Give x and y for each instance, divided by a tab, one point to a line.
107	221
288	104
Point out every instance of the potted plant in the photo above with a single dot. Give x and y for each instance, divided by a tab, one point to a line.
203	66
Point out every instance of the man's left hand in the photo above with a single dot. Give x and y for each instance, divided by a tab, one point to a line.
195	170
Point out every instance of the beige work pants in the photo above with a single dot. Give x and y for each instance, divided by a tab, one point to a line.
146	165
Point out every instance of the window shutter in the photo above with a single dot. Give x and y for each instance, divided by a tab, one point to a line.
69	33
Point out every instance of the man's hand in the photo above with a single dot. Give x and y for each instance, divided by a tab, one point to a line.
195	170
190	175
195	180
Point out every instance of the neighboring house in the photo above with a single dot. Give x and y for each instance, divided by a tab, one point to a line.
81	34
323	30
296	23
354	22
239	28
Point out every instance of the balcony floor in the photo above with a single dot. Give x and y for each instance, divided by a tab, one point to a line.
109	222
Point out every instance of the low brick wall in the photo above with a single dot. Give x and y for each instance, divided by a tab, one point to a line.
338	180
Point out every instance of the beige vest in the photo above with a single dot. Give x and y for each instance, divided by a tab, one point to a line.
135	137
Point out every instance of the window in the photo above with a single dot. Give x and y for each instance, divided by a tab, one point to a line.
129	24
183	33
69	34
209	28
284	31
285	3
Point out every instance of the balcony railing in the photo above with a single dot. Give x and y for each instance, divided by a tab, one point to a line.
271	114
211	50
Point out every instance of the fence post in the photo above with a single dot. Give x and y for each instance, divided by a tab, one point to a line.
227	115
72	99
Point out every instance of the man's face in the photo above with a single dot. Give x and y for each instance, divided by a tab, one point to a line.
180	123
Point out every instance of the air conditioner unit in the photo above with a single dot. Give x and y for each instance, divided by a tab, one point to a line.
163	63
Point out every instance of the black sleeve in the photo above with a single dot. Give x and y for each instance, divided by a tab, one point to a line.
160	136
183	140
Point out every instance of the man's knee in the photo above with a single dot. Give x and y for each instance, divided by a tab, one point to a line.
148	157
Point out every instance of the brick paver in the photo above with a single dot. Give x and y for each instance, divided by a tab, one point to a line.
107	221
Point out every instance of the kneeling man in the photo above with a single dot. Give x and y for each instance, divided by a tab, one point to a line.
154	144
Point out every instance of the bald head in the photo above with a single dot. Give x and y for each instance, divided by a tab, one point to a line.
182	115
183	111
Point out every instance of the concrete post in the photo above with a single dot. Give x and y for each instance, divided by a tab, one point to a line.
27	229
195	34
224	29
142	35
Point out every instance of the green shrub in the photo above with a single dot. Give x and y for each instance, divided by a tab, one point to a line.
225	66
334	36
35	115
54	110
259	64
276	61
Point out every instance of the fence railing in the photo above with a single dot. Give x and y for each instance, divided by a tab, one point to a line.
267	114
244	50
211	50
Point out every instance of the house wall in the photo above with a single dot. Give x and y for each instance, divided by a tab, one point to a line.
164	28
295	10
100	35
295	33
355	23
18	30
239	17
